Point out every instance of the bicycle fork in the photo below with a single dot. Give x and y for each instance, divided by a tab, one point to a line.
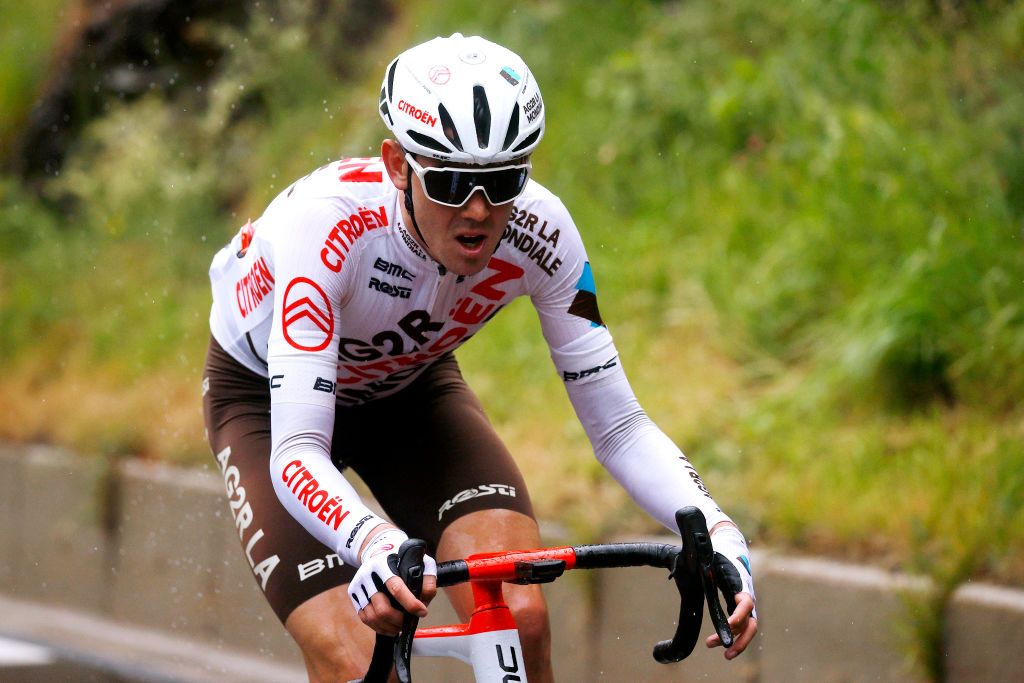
489	642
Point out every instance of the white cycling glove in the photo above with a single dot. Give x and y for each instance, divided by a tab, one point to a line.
732	565
375	568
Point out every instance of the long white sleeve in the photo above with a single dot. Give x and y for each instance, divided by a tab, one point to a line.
657	475
313	490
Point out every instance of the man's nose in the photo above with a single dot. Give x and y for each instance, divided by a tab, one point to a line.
476	207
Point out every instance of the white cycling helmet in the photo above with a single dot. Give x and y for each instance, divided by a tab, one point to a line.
462	99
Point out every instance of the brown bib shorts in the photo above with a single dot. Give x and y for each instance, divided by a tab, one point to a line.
429	455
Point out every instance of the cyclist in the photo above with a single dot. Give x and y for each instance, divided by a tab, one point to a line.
334	320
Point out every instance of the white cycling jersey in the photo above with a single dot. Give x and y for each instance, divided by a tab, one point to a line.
330	297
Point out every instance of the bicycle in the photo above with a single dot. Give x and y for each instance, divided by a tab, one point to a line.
489	642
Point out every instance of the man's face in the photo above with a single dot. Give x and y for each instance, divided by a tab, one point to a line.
462	238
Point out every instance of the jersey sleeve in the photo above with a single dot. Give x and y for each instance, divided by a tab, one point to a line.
566	301
651	468
302	361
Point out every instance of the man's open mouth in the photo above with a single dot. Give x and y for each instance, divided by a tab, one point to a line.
471	241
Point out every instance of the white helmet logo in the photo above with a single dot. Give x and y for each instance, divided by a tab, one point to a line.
439	74
473	57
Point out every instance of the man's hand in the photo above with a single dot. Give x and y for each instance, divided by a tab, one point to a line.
376	585
732	571
742	624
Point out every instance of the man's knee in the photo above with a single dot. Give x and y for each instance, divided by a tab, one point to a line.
334	643
328	654
531	614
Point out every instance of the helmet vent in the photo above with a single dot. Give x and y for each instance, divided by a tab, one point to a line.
448	126
384	110
481	116
530	139
513	128
391	79
428	142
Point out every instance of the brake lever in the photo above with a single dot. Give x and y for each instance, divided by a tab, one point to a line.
396	651
691	611
410	570
695	530
693	572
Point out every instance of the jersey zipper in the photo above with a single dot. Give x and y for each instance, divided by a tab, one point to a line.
440	295
433	294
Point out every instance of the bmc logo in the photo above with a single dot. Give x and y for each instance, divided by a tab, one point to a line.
392	269
570	376
324	385
314	567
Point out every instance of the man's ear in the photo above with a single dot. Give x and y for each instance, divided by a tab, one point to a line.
393	156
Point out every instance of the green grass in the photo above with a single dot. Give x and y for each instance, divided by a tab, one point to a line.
804	220
27	33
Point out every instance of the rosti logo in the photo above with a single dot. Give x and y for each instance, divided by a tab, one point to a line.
417	113
307	314
476	492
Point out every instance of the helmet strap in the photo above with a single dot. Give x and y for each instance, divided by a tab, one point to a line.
412	217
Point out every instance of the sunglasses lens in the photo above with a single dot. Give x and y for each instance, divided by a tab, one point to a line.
504	186
447	187
454	187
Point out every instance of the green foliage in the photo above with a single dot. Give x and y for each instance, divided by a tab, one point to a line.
27	32
974	538
29	238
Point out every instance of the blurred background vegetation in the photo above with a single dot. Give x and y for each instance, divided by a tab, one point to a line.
805	221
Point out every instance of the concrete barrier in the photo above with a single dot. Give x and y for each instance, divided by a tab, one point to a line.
155	547
179	547
985	635
166	550
62	548
11	504
573	620
827	621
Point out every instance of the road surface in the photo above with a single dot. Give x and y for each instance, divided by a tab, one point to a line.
26	662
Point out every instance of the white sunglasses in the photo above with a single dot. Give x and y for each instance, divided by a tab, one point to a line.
453	186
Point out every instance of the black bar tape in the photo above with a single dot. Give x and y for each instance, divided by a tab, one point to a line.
625	555
451	573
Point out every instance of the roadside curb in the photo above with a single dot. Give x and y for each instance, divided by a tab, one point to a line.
127	648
